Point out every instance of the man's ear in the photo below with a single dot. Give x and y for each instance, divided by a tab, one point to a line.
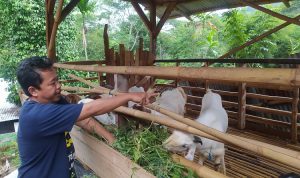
33	91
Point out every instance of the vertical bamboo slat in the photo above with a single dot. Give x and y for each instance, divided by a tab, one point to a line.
294	128
242	106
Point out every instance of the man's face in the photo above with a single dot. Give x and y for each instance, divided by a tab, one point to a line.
50	88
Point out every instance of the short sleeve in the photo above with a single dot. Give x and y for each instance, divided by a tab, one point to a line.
51	119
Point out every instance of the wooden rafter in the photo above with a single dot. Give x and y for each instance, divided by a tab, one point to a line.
53	23
164	18
256	39
286	3
51	47
270	12
142	15
49	5
66	11
183	13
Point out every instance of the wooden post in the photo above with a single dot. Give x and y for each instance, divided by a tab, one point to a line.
110	62
294	128
176	81
242	106
122	54
153	35
51	47
206	83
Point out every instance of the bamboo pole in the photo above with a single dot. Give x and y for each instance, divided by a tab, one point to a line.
232	140
191	130
285	153
286	77
202	171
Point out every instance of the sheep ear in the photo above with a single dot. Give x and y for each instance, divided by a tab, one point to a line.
181	90
197	140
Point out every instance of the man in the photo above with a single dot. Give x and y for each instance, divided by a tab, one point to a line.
45	146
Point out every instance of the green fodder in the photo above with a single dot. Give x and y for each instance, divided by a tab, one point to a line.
144	147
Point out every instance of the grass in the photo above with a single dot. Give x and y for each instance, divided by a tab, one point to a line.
144	147
9	149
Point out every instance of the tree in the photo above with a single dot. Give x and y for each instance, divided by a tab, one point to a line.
85	7
23	35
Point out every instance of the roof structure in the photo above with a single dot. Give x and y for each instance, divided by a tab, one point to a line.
186	8
165	9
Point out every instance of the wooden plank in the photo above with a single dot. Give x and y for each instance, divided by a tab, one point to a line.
72	80
266	76
268	98
268	110
225	103
294	128
102	159
122	54
242	106
267	121
85	62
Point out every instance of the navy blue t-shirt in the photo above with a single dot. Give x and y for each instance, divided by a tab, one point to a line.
45	146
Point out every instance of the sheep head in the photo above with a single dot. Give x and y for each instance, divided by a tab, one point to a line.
179	142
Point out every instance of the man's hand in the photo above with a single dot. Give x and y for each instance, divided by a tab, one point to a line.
142	98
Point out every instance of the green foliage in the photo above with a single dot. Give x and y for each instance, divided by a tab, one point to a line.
85	6
144	147
235	31
23	35
9	149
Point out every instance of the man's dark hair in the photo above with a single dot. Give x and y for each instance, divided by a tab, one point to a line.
28	72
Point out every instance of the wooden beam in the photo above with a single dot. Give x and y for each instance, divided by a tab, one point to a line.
51	47
286	3
294	118
164	18
104	160
142	15
49	5
268	98
69	7
153	36
267	76
263	120
242	106
256	39
268	110
202	171
272	13
183	13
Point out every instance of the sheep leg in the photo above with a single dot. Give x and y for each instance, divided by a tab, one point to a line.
220	164
191	153
201	160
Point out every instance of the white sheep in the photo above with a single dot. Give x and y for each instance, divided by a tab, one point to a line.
173	100
107	118
212	115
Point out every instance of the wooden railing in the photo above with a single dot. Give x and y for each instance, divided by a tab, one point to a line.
238	110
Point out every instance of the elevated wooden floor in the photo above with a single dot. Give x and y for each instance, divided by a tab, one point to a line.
241	163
